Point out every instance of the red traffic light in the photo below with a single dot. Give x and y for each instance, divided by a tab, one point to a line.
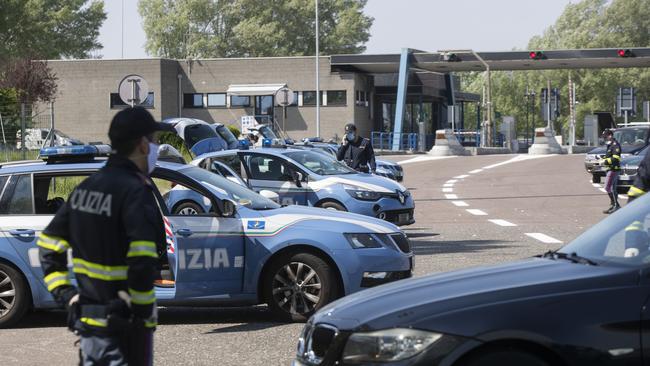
625	53
536	55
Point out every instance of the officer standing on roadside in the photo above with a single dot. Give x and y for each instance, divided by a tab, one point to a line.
356	151
613	163
115	229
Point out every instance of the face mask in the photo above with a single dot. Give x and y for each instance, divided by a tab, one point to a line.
152	157
350	136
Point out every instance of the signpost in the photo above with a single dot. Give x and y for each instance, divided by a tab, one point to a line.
284	97
626	102
133	90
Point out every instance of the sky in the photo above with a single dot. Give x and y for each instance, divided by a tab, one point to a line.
428	25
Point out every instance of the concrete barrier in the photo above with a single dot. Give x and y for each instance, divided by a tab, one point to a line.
447	145
544	143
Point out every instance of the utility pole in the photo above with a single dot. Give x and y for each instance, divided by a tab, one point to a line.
122	28
317	76
548	105
572	111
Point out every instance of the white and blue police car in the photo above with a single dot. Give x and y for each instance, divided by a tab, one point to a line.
311	178
245	250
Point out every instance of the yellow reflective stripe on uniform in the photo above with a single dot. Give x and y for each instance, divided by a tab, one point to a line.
634	192
142	297
635	226
56	279
52	243
142	248
617	157
95	322
150	324
99	271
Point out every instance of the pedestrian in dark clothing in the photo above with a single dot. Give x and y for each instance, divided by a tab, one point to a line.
357	151
114	228
613	163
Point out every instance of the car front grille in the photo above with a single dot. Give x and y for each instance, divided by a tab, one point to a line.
320	343
630	171
321	340
394	216
402	242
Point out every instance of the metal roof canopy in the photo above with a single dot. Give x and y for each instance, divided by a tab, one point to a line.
254	89
498	61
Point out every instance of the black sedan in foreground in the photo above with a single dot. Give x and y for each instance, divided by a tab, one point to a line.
585	304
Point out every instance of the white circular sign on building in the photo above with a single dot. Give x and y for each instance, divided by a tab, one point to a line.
284	97
133	90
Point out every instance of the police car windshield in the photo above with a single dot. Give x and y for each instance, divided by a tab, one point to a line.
620	239
224	188
319	163
226	134
198	132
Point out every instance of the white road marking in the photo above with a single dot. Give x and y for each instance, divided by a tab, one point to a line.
447	190
423	158
476	171
502	222
448	185
476	212
460	203
595	185
602	190
520	157
461	176
451	181
622	197
451	196
544	238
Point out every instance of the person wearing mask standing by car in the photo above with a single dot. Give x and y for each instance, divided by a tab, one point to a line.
612	162
114	227
356	151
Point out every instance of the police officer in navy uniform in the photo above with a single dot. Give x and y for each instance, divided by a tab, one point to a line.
612	162
641	183
114	227
357	151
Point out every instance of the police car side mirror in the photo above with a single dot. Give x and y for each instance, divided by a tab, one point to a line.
228	208
297	178
270	195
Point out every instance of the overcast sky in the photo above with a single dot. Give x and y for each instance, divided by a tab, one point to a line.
428	25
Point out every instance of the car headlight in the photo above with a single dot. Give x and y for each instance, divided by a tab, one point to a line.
387	345
362	194
358	241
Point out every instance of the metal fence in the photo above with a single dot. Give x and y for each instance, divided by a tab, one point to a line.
24	130
385	140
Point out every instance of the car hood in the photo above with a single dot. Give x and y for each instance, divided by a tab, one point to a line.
324	220
434	296
365	181
632	160
626	149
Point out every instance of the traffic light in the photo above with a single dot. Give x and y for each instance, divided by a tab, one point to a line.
625	53
536	55
450	57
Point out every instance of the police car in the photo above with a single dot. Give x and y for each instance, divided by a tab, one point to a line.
246	250
310	178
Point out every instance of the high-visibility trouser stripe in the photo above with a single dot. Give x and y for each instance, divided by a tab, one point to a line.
150	323
617	157
142	297
56	279
52	243
142	248
95	322
99	271
635	226
635	192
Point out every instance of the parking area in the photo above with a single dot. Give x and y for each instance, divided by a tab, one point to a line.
470	211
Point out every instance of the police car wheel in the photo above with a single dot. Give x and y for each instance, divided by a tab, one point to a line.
297	285
332	206
188	208
14	296
504	357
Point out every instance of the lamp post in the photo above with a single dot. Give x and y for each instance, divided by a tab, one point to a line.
317	77
530	97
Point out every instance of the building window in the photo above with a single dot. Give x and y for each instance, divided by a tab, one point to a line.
337	97
309	98
217	100
240	101
193	100
295	99
116	101
361	98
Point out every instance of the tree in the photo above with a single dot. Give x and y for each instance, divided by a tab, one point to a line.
49	29
30	80
242	28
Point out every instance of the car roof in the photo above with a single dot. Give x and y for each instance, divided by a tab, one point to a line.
258	150
36	166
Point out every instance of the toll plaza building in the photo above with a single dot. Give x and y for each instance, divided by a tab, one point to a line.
225	90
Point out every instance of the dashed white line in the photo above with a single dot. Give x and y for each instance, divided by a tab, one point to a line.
476	212
460	203
461	176
448	185
595	185
544	238
451	196
476	171
447	190
602	190
451	181
502	223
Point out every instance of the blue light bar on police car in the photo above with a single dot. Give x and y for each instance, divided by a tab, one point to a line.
75	151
